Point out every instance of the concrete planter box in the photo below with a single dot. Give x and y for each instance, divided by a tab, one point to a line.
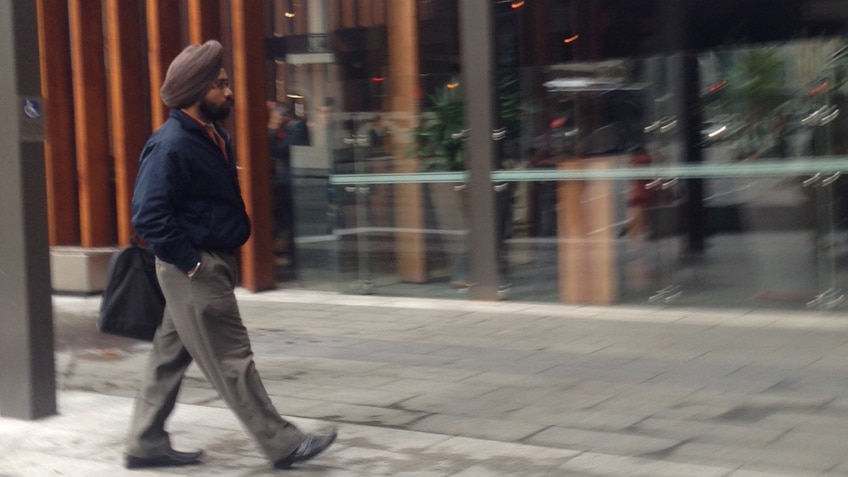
79	270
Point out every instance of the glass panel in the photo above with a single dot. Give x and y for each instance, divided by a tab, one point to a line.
727	169
710	180
372	245
772	105
371	87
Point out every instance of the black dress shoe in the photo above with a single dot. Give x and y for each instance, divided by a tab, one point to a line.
169	459
309	447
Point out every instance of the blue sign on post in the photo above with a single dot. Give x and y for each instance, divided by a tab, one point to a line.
32	109
32	120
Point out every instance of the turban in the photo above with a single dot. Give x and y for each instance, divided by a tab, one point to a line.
191	74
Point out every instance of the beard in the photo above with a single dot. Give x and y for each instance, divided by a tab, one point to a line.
215	112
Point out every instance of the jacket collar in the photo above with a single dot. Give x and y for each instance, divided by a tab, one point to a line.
187	122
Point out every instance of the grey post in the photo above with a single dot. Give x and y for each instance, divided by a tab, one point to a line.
477	40
27	367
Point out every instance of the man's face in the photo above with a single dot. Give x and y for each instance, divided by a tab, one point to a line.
216	105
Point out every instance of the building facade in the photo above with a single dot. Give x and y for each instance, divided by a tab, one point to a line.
676	152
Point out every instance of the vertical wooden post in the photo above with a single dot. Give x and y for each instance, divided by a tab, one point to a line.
588	271
97	211
163	45
125	69
570	234
58	94
248	75
204	20
404	70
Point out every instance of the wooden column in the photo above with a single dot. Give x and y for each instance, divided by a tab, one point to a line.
248	74
97	211
204	20
59	145
127	105
404	70
588	271
163	45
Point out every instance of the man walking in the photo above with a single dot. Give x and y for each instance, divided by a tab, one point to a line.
187	206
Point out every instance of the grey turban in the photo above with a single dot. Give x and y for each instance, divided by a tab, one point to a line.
192	74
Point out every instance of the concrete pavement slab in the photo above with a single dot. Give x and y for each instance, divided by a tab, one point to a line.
620	391
86	440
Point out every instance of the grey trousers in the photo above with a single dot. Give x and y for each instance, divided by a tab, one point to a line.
202	323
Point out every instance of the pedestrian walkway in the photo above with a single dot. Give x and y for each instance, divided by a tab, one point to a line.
85	440
425	387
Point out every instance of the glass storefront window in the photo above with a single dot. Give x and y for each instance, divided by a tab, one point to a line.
635	161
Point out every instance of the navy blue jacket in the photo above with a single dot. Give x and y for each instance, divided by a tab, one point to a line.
187	196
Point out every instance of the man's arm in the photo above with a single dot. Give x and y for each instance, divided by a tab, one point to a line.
160	185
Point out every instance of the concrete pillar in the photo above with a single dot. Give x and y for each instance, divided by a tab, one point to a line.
27	368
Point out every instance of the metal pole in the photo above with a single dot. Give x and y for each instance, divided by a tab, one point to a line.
476	27
27	368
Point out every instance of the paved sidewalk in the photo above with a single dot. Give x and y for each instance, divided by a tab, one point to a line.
423	387
85	440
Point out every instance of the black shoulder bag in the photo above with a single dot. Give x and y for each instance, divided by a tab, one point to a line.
132	305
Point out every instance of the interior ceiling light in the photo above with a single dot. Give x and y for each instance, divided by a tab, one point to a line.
452	85
571	39
517	4
288	14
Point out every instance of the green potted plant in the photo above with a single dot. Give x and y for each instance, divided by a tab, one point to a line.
438	140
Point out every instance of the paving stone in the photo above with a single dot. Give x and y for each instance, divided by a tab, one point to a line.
620	443
635	467
790	461
490	429
709	432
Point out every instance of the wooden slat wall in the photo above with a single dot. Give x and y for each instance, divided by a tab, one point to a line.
335	15
163	45
97	210
126	65
365	14
378	12
90	178
348	10
59	144
204	20
248	74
